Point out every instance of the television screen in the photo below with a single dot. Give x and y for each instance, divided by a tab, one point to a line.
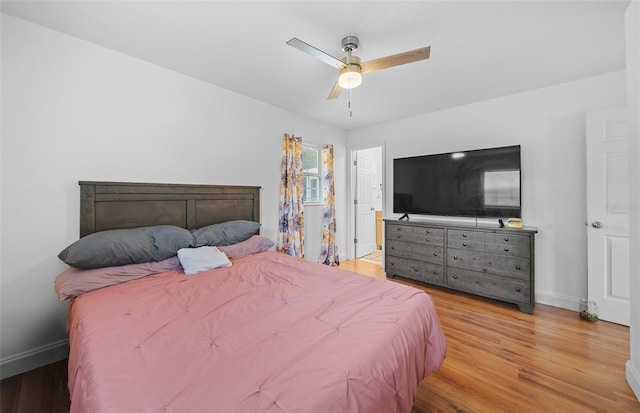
477	183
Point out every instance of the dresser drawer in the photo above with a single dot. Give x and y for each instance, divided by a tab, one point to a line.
462	235
416	270
508	239
426	239
428	253
415	230
489	285
516	250
465	244
514	267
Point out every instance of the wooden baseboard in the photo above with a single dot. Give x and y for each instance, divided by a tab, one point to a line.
633	378
33	359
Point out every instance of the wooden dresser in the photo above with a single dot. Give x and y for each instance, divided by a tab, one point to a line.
492	262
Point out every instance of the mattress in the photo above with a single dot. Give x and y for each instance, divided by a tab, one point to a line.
271	333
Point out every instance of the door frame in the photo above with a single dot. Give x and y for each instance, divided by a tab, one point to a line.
352	189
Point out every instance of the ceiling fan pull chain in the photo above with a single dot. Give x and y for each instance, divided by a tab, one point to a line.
350	111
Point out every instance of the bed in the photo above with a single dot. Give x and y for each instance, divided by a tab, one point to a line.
269	333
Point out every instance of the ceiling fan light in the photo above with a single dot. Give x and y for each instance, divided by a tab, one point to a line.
350	77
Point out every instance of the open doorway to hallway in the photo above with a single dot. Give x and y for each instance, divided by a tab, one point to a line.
368	204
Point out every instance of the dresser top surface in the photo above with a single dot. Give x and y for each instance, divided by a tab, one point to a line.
458	225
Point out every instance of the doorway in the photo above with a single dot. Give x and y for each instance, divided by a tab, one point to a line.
368	203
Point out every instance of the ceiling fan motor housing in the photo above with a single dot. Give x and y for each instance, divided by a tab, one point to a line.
350	44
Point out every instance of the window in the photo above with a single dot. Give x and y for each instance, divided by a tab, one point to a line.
312	173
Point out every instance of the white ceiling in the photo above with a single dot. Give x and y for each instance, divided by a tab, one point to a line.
479	49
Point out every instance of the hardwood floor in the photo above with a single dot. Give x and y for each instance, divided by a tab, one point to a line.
499	360
37	391
502	360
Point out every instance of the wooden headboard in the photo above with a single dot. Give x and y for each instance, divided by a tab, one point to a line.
115	205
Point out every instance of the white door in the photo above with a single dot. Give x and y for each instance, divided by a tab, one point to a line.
608	214
365	209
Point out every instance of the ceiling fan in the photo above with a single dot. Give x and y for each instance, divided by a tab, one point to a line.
351	68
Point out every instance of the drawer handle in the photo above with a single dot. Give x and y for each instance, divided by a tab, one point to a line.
428	231
506	239
506	250
393	248
435	254
455	257
517	267
517	289
435	272
428	239
455	277
464	235
464	244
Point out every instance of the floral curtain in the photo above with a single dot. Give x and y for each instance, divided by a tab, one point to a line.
329	250
291	215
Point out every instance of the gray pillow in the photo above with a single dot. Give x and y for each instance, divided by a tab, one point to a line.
126	246
225	233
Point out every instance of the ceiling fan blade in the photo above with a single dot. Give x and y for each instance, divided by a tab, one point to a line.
335	92
317	53
396	60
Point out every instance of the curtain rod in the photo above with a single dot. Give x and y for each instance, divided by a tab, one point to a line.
294	137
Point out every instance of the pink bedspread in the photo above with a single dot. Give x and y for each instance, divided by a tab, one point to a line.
269	334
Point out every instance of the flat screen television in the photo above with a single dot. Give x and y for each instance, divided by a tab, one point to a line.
476	183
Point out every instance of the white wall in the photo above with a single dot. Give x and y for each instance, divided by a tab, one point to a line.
632	33
549	124
74	111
